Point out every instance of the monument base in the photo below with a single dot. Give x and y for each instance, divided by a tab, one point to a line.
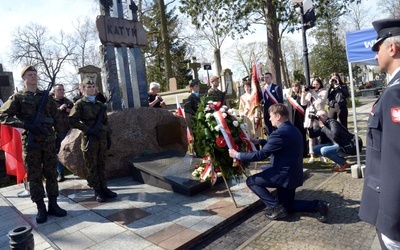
170	170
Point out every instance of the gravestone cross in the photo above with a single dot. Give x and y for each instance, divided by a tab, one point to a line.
195	66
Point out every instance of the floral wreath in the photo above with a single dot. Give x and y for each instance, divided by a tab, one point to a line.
216	130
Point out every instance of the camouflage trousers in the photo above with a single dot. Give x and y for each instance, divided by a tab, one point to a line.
41	163
94	153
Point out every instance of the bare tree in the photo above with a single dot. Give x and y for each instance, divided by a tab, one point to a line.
33	45
357	17
392	7
86	39
244	53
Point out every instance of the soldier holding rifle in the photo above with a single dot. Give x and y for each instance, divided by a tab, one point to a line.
90	116
36	112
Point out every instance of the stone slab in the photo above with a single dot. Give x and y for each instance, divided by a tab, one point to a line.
170	170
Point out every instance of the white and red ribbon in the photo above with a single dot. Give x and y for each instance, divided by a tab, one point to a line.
208	170
270	95
296	105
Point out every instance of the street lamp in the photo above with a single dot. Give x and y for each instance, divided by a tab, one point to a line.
304	6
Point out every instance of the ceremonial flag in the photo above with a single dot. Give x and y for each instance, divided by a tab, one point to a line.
180	112
11	144
256	94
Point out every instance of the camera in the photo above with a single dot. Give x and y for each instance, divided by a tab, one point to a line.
160	98
333	81
313	117
308	88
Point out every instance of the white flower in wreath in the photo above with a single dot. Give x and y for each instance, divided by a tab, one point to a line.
222	110
207	108
217	128
225	107
208	115
224	115
235	123
210	102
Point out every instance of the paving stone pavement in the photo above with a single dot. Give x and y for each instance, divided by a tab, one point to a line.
302	231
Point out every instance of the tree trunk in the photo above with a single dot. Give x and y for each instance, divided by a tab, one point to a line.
217	60
272	40
167	45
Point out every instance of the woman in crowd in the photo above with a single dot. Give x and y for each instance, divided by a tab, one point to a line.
155	100
250	117
337	99
297	111
314	98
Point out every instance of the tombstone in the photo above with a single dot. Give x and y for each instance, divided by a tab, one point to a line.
92	72
6	84
227	86
173	85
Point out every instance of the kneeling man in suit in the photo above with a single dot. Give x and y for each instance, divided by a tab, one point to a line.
285	172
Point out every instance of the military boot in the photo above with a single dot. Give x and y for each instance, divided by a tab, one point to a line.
99	195
41	216
54	209
107	192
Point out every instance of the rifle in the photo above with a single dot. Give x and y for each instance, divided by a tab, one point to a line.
97	124
39	117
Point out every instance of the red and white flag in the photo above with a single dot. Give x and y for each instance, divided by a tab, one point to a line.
180	112
256	93
11	144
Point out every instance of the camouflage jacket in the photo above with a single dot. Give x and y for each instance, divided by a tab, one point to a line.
216	94
84	114
21	107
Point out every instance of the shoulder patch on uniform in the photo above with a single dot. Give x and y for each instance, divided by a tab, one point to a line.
395	114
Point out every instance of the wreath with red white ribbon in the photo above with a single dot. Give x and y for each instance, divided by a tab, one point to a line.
215	131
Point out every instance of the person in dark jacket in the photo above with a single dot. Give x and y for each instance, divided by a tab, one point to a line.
338	93
285	173
333	136
272	94
380	200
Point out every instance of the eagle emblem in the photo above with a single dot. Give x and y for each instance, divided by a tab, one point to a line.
395	113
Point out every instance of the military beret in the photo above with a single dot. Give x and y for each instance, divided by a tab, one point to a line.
213	78
27	68
87	81
194	82
385	28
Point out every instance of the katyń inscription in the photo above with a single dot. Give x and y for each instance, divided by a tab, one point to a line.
120	31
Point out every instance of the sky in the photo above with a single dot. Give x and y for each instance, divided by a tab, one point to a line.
61	14
56	15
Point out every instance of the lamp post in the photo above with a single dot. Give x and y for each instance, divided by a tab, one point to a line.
304	6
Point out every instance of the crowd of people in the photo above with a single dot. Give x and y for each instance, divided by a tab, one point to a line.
46	119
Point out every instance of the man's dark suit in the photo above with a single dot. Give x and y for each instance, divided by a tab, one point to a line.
285	172
275	90
380	201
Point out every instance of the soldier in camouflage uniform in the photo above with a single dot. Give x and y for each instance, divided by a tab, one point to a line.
86	112
40	159
216	94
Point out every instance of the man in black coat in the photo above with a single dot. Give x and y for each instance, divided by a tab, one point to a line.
272	94
285	172
333	136
380	201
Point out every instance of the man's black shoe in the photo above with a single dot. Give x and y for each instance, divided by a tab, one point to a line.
323	209
60	178
276	213
108	193
99	195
